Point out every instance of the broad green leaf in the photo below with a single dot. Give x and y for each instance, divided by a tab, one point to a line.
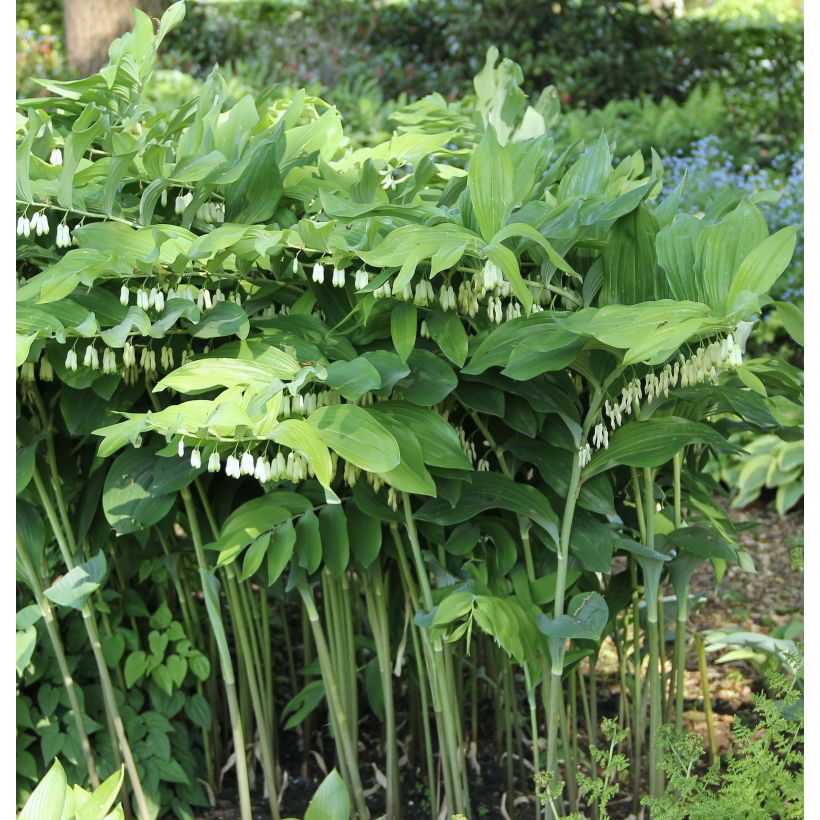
365	535
447	331
330	801
47	800
430	381
355	378
440	445
280	550
308	542
335	540
630	261
103	798
489	180
585	619
223	319
792	318
492	491
762	267
403	325
356	436
77	586
653	442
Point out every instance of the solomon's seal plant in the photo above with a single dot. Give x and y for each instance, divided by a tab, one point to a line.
431	441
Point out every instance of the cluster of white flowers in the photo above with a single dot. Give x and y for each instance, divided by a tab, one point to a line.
293	467
148	360
495	312
385	291
318	275
466	445
338	280
362	279
91	358
703	365
109	361
27	372
63	236
71	360
46	370
447	298
182	202
211	212
304	405
424	294
38	223
166	357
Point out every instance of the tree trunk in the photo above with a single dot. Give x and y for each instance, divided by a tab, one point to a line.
91	25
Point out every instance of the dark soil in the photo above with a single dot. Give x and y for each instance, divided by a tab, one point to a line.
760	602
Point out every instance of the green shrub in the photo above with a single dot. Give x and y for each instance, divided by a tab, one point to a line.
444	402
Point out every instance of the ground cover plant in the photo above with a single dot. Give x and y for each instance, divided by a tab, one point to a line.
389	438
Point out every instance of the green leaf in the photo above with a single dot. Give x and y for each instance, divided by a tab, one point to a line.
255	555
653	442
140	489
586	617
448	333
489	180
308	542
356	436
762	267
403	323
223	319
365	534
98	805
355	378
455	606
440	445
280	550
47	800
430	381
255	196
198	711
77	586
135	667
492	491
630	262
25	643
335	540
331	801
302	437
792	318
